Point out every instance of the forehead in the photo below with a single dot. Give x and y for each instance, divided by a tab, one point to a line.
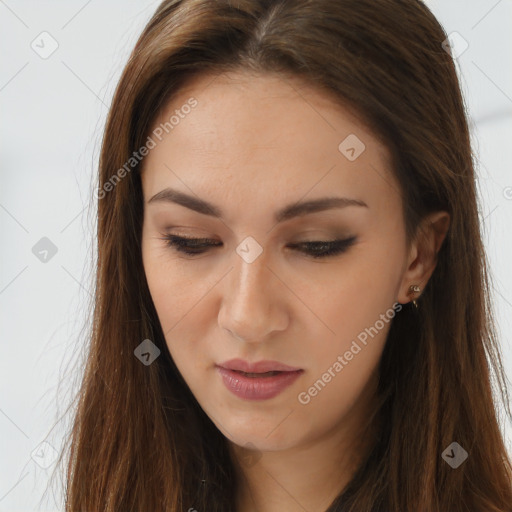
250	135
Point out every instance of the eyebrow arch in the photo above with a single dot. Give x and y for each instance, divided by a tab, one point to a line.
286	213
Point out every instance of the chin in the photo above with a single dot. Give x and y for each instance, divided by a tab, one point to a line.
264	438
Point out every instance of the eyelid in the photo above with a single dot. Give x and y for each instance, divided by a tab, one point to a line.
204	240
331	248
191	239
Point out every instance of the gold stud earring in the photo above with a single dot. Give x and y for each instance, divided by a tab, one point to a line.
414	288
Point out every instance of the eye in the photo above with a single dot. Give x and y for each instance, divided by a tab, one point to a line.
323	249
190	245
315	249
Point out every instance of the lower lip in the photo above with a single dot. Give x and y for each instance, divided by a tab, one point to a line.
257	388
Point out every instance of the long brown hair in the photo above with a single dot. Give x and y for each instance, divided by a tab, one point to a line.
140	441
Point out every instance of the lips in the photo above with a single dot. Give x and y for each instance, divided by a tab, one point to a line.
255	374
260	367
257	381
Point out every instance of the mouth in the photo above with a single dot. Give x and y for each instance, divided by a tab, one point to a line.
257	368
250	384
255	375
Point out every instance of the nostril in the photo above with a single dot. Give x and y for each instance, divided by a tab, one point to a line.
239	338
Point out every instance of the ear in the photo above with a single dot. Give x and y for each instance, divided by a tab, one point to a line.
422	259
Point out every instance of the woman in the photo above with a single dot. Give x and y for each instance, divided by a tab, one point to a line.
292	305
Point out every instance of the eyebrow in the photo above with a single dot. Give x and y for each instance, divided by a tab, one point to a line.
292	210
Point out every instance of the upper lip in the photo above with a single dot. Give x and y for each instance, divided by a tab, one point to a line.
257	367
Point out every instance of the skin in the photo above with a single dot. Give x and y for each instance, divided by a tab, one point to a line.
253	144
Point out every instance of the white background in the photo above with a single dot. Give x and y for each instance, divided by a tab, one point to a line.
52	115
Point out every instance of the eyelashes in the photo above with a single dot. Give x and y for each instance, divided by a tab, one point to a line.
190	245
314	249
324	248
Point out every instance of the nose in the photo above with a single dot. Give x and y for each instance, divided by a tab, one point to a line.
253	304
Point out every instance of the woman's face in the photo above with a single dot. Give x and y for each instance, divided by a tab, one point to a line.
258	150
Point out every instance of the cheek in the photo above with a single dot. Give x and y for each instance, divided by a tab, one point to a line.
341	366
173	287
355	307
180	298
346	348
339	397
350	297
